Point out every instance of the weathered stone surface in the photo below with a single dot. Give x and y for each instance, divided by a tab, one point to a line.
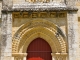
70	22
73	36
0	38
71	3
0	8
6	40
7	4
42	7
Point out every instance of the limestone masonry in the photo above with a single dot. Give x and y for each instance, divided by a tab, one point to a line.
57	22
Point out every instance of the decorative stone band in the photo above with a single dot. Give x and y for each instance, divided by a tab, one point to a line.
25	54
39	5
42	7
45	1
19	54
38	14
57	54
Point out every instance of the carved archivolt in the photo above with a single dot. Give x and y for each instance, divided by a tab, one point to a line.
39	28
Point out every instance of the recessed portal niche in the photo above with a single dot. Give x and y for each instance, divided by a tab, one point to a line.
39	49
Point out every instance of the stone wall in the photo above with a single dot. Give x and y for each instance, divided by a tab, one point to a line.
18	1
0	38
0	26
78	14
79	30
0	8
78	6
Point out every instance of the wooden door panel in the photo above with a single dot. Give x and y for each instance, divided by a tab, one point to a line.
39	49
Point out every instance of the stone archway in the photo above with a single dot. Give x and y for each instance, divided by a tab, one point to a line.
43	29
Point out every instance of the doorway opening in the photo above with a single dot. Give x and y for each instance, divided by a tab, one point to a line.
39	49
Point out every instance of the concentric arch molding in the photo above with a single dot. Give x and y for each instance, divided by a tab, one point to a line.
39	28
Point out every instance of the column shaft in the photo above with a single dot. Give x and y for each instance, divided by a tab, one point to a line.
73	36
6	39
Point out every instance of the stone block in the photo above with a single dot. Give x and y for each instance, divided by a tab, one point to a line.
0	8
6	58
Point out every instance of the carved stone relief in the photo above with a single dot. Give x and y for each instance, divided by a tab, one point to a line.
39	14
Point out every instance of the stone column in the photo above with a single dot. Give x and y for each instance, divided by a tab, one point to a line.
0	38
24	58
19	56
25	55
7	5
6	36
53	56
73	36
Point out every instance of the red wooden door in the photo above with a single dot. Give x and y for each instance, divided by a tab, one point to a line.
39	49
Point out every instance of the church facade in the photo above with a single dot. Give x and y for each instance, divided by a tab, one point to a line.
39	30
